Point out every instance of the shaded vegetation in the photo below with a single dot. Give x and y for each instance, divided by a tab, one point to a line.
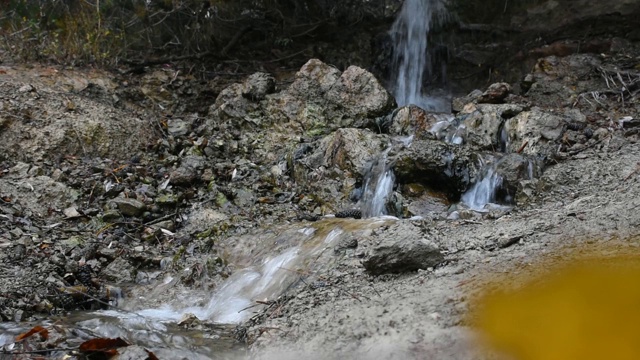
109	32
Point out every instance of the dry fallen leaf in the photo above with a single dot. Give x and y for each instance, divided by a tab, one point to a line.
44	333
104	345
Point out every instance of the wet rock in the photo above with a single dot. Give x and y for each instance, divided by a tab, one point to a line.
514	168
425	202
534	132
349	242
258	85
119	271
495	93
132	352
129	206
395	205
436	165
412	120
484	125
402	248
189	170
459	103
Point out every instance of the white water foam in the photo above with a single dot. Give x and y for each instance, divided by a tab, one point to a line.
483	192
411	58
377	187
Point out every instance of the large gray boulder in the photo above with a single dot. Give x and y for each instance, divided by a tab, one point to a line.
313	80
402	248
360	94
322	99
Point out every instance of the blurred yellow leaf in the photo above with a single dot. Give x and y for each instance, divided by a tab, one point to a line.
589	310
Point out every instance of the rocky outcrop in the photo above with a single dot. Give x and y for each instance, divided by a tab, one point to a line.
412	120
346	149
360	94
514	170
534	132
495	93
484	123
436	165
322	99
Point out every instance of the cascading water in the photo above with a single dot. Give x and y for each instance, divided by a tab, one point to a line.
484	190
412	61
378	186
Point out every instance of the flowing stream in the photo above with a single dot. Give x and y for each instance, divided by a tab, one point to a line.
377	187
288	256
483	192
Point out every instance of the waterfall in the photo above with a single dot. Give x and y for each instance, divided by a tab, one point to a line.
378	185
412	61
484	190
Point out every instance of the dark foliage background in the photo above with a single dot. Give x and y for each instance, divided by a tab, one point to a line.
109	32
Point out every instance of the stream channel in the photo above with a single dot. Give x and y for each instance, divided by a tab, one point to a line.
292	249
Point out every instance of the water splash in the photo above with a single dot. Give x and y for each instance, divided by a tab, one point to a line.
378	185
412	61
483	192
449	129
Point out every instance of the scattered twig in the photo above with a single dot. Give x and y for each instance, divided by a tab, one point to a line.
575	152
160	219
289	56
236	38
524	145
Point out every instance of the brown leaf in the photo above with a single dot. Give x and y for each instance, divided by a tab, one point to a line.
44	333
102	344
151	356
